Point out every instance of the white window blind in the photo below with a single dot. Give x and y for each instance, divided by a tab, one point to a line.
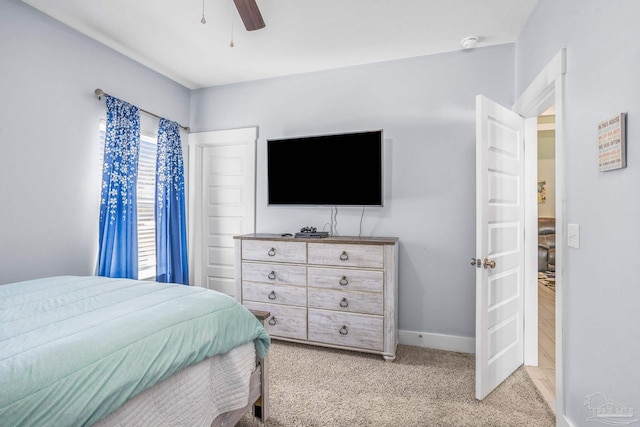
145	199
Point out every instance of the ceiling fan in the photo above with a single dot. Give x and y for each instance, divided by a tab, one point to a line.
250	14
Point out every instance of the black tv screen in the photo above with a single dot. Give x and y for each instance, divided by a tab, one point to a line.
327	170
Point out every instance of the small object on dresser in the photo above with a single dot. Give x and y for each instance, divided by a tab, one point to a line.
312	232
313	235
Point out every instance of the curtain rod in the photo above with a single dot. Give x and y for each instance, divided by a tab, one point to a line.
100	93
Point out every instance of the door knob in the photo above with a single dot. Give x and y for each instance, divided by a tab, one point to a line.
488	263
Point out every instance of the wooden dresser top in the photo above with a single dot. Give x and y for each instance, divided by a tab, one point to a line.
331	239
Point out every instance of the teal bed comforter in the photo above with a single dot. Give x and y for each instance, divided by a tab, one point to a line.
73	349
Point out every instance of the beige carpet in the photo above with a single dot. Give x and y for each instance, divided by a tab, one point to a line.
313	386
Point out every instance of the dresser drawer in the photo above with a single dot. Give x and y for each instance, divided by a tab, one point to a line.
349	330
274	273
347	255
285	321
352	302
273	250
272	293
345	279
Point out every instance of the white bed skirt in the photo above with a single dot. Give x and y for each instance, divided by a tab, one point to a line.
194	396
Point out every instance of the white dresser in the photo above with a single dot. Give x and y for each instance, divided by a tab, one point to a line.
339	292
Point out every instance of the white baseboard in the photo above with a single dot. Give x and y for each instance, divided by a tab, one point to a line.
438	341
563	421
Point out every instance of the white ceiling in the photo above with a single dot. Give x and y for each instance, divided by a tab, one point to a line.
300	36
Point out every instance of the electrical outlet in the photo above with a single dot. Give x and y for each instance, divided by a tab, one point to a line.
573	235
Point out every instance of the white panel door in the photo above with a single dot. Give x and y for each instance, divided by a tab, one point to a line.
225	173
499	244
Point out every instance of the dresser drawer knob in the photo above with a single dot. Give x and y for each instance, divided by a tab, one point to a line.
272	252
272	321
344	281
272	295
344	303
343	330
272	275
344	256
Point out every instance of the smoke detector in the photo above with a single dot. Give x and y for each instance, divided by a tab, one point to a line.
469	42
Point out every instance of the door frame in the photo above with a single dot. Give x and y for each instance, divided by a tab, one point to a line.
546	89
197	143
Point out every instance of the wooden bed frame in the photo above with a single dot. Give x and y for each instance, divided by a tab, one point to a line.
258	389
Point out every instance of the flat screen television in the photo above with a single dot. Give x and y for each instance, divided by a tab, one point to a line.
326	170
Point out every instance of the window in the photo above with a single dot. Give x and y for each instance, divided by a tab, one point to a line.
146	193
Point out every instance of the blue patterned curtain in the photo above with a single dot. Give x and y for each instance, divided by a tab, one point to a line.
118	251
171	229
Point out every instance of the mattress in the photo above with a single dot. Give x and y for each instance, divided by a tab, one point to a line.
73	349
192	397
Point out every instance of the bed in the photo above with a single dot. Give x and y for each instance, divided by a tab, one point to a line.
80	351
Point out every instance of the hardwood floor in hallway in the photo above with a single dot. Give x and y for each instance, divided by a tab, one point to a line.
544	375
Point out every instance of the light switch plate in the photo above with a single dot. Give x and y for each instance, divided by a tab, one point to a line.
573	235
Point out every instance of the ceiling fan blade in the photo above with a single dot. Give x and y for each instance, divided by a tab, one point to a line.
250	14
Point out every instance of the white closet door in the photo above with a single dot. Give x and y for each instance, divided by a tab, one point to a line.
223	202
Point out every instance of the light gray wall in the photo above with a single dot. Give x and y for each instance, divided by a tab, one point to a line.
426	107
49	171
602	277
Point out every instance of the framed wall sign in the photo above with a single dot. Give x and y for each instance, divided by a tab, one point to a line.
612	142
542	192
